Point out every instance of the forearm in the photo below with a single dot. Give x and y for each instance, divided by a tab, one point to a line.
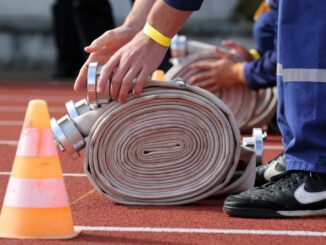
137	17
167	20
262	73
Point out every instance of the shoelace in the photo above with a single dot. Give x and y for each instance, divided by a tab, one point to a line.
284	180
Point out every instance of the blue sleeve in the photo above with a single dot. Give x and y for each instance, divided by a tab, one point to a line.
187	5
265	31
261	73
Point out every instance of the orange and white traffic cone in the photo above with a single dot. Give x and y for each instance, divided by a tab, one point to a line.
36	203
158	75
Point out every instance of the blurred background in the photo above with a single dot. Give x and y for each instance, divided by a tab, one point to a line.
28	46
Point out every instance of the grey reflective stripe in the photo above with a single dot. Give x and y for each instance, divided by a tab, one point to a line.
279	69
301	74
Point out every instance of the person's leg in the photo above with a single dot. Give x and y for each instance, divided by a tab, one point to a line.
302	71
301	117
69	56
92	19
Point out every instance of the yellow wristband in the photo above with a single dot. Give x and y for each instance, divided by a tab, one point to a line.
158	37
254	53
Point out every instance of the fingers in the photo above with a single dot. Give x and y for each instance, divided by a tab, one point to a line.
214	88
202	65
126	83
197	78
140	82
80	82
106	72
231	44
99	42
221	53
206	84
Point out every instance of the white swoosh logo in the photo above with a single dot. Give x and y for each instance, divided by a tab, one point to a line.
305	197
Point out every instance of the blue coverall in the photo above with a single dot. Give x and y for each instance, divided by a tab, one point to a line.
301	80
261	73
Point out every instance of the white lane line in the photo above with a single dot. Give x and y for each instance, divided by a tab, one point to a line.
64	174
8	142
200	230
23	109
6	123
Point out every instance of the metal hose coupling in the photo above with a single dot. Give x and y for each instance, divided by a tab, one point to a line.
174	144
181	47
67	135
256	142
71	130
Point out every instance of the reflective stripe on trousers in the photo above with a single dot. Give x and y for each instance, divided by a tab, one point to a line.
302	83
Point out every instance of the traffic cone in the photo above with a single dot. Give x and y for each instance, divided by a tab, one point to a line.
158	75
36	203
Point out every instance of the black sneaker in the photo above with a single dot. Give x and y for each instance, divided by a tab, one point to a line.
274	167
292	194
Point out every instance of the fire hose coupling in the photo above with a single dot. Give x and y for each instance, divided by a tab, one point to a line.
96	99
69	131
78	108
181	47
256	142
178	46
179	82
67	136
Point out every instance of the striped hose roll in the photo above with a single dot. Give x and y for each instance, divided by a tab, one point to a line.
172	145
240	99
265	109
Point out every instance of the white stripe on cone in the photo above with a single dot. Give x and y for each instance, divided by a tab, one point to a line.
36	193
31	139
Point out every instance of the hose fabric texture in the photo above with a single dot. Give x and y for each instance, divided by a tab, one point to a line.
250	108
173	145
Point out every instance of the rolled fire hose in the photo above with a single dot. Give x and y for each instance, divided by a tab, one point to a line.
250	108
240	99
265	108
172	145
181	47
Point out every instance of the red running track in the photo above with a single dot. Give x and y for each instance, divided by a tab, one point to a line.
103	221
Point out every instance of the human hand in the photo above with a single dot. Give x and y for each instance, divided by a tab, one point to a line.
102	48
132	63
215	75
238	49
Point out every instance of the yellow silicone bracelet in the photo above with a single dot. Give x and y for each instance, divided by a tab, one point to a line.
158	37
254	53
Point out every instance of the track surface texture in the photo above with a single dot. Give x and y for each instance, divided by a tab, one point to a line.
102	221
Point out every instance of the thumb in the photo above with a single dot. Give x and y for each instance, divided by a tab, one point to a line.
231	44
99	43
221	53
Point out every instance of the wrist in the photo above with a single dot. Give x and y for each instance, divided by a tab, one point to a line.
156	35
254	54
133	29
149	42
238	73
